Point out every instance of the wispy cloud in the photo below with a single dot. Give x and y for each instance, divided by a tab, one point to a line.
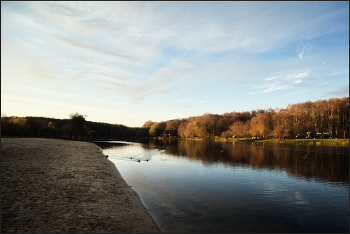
100	65
180	100
59	104
183	63
275	87
108	77
305	48
299	78
272	78
86	49
270	87
339	92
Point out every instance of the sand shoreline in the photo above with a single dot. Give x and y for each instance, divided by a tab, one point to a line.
53	186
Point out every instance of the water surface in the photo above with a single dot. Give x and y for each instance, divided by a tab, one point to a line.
200	186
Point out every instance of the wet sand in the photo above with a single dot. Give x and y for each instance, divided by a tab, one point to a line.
55	186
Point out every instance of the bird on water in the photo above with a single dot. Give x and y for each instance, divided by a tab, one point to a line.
147	160
107	156
139	160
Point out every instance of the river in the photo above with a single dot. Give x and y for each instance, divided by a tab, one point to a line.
203	186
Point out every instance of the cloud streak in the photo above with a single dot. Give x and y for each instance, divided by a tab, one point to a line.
299	78
305	48
339	92
86	49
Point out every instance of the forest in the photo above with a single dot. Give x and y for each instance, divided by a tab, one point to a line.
320	119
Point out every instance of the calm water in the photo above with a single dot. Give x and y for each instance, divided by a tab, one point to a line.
195	186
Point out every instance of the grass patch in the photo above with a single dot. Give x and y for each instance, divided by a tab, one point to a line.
334	142
331	142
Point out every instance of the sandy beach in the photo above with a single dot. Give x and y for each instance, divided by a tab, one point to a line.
55	186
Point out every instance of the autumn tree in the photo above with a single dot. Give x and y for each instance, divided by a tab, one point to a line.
261	125
223	123
148	124
172	127
191	129
238	129
157	129
282	124
209	122
255	127
202	132
181	131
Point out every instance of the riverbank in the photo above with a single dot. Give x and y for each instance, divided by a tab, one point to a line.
55	186
330	142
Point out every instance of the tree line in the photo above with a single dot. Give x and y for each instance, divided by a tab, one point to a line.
320	119
76	128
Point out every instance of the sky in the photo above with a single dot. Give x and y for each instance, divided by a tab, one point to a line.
130	62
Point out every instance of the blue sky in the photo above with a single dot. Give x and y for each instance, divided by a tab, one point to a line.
129	62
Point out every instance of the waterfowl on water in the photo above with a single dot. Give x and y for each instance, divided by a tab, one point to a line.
106	156
139	160
305	158
130	157
147	160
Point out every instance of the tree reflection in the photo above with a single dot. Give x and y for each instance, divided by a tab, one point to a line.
324	164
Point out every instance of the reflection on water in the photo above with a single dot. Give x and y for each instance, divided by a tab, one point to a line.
322	163
195	186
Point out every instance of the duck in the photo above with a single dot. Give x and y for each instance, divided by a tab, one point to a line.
139	160
305	157
106	156
147	160
130	157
